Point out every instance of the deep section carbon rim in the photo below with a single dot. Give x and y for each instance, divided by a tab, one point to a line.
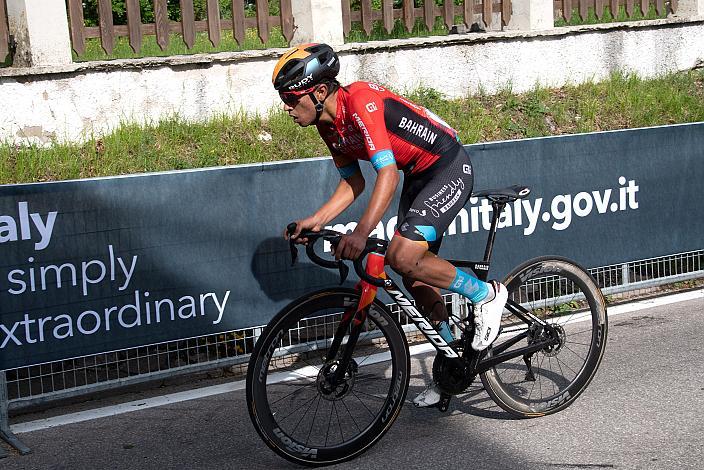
564	296
299	414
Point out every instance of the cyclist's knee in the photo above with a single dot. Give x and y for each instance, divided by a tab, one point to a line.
404	262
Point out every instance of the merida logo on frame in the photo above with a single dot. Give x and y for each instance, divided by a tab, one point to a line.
422	323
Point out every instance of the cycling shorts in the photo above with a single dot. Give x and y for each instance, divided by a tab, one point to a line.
432	199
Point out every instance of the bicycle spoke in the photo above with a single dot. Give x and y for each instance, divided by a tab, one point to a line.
558	365
288	395
363	404
310	349
540	383
327	434
289	400
582	332
304	404
303	416
296	372
371	395
339	424
517	372
350	413
293	384
531	390
365	358
575	342
314	415
565	364
570	350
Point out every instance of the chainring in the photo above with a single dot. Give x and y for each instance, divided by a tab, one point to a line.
451	377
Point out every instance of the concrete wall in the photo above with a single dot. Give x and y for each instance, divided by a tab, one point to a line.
72	102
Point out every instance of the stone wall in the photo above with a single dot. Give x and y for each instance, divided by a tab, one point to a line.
71	102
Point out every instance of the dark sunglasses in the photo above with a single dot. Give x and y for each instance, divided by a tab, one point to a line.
291	98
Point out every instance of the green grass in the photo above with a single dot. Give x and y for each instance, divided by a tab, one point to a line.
176	46
399	31
576	20
623	101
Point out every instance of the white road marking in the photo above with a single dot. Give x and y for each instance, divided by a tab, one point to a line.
239	385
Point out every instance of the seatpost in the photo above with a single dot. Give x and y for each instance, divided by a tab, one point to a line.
498	208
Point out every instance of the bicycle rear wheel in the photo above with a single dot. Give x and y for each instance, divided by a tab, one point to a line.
290	404
563	294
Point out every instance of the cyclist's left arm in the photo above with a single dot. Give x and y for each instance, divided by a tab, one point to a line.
369	118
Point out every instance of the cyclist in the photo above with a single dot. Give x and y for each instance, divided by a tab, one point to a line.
365	121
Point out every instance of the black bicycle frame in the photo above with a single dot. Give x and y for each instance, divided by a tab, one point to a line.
478	360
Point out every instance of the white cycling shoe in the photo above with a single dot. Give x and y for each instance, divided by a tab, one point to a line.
428	397
487	317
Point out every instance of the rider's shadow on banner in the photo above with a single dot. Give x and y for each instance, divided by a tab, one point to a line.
278	280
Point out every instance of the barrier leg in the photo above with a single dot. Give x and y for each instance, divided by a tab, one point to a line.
5	433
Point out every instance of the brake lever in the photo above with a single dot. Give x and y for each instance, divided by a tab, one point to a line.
294	252
344	271
291	228
340	265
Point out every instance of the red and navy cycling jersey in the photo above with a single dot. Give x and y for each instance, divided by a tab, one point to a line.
375	124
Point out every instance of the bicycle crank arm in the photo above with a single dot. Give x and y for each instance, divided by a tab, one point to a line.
444	402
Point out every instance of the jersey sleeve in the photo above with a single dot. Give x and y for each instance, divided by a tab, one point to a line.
367	110
346	166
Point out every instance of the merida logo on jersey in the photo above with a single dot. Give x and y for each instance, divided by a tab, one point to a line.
365	131
417	129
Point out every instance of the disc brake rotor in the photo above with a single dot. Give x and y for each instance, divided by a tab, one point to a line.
334	392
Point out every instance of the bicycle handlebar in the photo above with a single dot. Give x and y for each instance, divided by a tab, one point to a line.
374	245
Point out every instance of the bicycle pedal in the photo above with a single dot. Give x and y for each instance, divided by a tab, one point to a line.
444	402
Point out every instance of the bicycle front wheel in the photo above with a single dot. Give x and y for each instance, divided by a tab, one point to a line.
295	410
566	297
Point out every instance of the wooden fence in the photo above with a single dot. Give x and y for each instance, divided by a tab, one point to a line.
187	27
4	32
429	11
565	8
263	22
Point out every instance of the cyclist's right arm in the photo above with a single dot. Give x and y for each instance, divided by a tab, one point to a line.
351	185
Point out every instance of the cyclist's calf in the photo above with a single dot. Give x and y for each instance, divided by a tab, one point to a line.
414	262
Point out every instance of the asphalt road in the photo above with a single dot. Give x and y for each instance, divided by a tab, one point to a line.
643	410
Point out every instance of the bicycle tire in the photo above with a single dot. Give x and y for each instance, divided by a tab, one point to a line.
564	293
300	335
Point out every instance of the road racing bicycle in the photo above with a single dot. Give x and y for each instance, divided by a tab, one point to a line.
330	372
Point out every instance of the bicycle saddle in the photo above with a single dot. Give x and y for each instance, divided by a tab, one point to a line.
505	194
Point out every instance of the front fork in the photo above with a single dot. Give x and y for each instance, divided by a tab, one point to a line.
355	316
